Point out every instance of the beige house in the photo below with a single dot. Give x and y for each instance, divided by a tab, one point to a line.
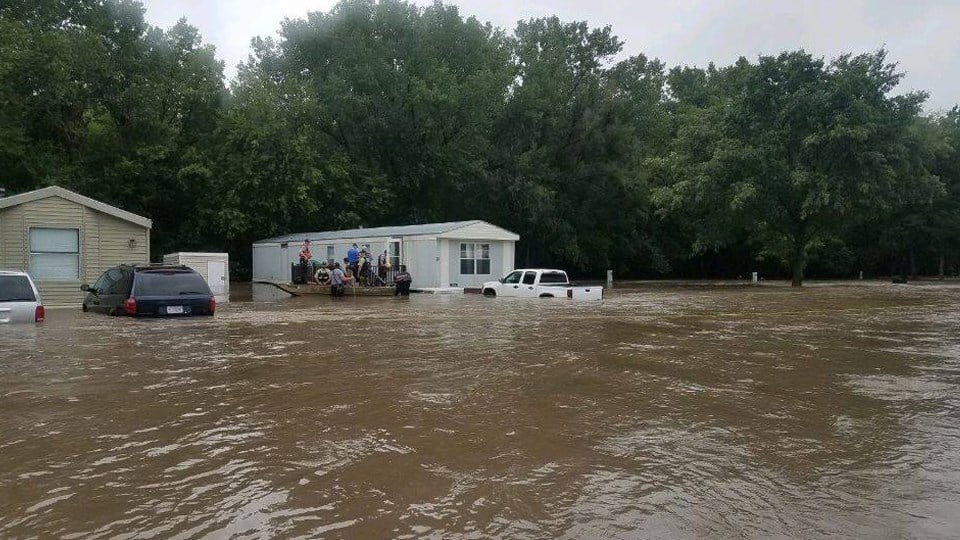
63	239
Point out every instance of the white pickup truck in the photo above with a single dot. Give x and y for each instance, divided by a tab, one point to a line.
540	283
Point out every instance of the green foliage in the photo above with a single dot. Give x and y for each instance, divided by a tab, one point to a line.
388	113
789	149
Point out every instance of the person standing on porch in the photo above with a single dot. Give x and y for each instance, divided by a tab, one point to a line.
305	269
305	254
353	257
382	266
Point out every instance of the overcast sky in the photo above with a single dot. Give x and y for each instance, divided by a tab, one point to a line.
921	35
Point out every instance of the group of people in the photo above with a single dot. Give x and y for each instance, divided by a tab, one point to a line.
357	268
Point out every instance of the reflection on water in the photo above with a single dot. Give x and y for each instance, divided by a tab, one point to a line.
699	411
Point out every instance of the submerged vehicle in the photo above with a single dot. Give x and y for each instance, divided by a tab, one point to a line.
540	283
150	290
19	299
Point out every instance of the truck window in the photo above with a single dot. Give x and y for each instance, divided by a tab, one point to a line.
553	277
529	278
513	277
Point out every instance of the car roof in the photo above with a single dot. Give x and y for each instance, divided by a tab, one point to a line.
163	267
13	273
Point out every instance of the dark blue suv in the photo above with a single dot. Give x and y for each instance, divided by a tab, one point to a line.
152	290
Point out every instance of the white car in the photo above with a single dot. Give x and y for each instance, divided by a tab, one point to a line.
19	299
540	283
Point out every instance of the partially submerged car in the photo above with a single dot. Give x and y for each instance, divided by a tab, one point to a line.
540	283
150	290
19	299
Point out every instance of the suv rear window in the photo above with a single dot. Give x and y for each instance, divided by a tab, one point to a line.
169	283
16	289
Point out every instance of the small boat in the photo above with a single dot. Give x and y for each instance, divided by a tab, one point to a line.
312	288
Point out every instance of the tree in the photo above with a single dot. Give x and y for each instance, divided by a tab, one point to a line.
791	147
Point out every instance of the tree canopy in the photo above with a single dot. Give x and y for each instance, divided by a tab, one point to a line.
378	113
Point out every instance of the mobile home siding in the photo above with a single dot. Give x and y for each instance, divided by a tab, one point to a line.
58	213
430	251
422	257
268	264
476	280
480	229
11	239
104	242
115	236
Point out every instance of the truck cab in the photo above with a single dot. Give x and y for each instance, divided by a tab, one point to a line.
539	283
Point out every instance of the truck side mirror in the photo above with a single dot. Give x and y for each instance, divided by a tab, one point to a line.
85	287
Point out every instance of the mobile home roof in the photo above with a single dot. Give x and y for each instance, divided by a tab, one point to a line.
374	232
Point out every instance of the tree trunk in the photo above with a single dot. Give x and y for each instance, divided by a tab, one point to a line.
798	263
797	266
913	264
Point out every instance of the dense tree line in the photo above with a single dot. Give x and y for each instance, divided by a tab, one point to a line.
381	113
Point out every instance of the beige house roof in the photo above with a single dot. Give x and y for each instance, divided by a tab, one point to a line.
57	191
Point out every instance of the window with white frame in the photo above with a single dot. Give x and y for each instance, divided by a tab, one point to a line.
474	258
54	253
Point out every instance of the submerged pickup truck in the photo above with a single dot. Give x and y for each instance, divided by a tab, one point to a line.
540	283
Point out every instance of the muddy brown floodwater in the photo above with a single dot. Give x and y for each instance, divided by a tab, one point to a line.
660	412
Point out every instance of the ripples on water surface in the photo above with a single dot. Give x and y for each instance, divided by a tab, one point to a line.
658	413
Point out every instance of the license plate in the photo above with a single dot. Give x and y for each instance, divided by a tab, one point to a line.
173	310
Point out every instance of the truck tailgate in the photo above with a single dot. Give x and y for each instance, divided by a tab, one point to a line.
585	293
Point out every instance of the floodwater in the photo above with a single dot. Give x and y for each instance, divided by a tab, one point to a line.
660	412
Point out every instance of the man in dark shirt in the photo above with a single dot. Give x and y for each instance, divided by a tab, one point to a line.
402	281
337	280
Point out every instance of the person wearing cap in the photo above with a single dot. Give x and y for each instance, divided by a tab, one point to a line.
305	254
306	270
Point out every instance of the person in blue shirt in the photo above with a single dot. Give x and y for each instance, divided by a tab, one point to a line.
353	257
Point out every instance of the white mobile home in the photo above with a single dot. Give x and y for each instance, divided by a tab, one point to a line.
437	255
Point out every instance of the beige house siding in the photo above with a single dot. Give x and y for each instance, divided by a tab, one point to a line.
115	236
104	242
11	239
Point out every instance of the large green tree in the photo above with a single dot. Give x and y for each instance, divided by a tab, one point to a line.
98	101
791	147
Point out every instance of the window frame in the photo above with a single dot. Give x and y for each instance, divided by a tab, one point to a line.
78	253
476	249
519	274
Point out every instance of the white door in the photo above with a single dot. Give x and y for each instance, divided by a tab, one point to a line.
217	277
511	284
527	288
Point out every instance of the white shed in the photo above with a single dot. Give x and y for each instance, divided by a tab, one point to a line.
214	267
459	254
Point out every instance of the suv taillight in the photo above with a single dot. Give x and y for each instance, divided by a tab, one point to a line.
130	306
212	305
569	292
38	314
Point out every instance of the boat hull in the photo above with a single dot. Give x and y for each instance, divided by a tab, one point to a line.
311	289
